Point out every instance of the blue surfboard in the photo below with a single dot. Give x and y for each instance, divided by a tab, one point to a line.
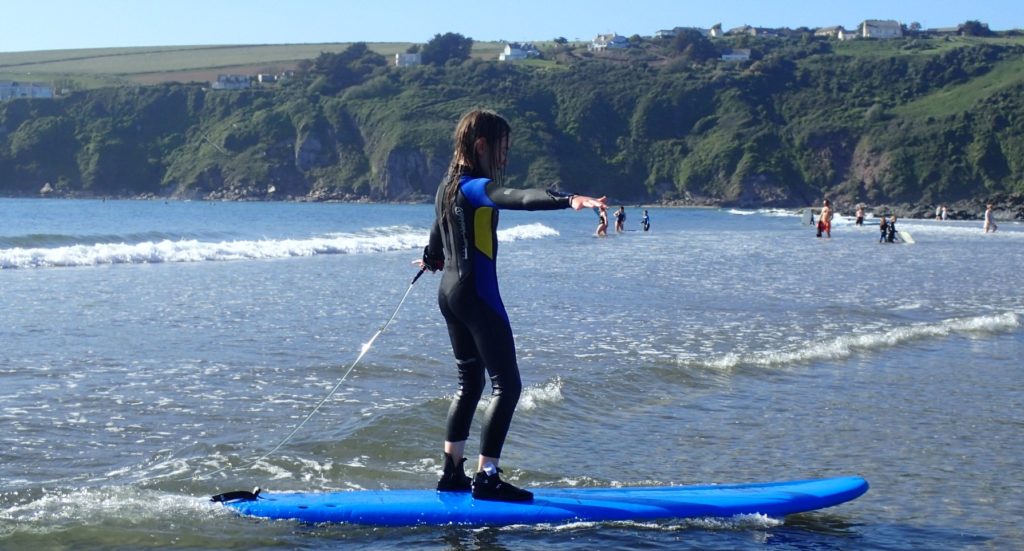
550	505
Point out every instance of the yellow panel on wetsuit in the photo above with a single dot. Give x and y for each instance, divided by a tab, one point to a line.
483	225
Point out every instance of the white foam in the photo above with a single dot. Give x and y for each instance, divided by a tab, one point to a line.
527	231
846	346
374	240
95	506
738	522
548	393
535	396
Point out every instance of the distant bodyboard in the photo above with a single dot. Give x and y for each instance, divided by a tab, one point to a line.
906	237
808	217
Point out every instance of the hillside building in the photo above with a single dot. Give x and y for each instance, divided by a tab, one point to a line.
515	51
408	60
231	82
837	32
611	41
741	54
10	89
878	28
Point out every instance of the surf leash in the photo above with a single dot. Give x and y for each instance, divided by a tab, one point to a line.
365	348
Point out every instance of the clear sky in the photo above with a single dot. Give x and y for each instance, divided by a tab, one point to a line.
69	24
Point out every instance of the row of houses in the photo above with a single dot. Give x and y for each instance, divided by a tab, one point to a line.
870	28
244	82
514	51
10	89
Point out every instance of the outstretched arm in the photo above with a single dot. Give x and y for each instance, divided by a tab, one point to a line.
577	202
535	199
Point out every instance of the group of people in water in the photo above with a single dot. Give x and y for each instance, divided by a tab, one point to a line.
620	221
886	226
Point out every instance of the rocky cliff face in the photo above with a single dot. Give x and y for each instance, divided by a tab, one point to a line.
411	175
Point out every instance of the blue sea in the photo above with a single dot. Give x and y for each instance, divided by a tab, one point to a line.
152	353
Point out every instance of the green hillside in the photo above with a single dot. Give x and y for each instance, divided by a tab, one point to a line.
915	121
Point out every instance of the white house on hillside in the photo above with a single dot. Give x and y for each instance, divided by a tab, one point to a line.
837	32
515	51
608	42
231	82
10	89
878	28
742	54
672	33
407	60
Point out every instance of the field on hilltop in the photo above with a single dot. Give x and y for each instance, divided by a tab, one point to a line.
98	67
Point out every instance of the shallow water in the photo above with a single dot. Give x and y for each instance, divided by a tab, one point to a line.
148	344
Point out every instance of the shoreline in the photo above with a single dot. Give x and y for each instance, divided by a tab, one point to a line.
1007	207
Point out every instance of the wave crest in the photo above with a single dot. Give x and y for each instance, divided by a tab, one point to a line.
192	250
846	346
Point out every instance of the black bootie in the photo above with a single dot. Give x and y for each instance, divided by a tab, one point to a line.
490	487
454	478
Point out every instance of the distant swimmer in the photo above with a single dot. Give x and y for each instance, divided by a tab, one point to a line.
860	215
883	227
602	221
990	223
620	220
645	222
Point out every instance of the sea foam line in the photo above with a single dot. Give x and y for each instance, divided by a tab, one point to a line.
191	250
846	346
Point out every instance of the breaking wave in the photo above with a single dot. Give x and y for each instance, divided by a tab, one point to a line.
846	346
91	253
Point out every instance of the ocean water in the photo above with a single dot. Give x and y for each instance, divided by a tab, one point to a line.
152	354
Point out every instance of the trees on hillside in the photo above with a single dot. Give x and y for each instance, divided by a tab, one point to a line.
693	46
348	68
974	28
445	47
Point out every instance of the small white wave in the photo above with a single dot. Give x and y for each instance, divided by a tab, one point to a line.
97	506
784	213
191	250
548	393
526	231
846	346
738	522
536	396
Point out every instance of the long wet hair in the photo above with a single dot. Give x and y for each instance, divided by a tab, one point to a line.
479	123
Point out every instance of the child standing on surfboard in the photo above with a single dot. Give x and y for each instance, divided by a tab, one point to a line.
464	244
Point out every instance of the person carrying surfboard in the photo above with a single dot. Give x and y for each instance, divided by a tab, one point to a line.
464	244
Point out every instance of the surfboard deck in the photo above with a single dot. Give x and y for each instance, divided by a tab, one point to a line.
807	217
553	505
906	237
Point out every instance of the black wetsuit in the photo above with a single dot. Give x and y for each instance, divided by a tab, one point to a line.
478	326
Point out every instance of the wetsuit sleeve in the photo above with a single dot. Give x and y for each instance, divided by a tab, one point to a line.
526	199
433	253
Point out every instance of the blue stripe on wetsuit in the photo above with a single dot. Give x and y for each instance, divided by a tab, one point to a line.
485	271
